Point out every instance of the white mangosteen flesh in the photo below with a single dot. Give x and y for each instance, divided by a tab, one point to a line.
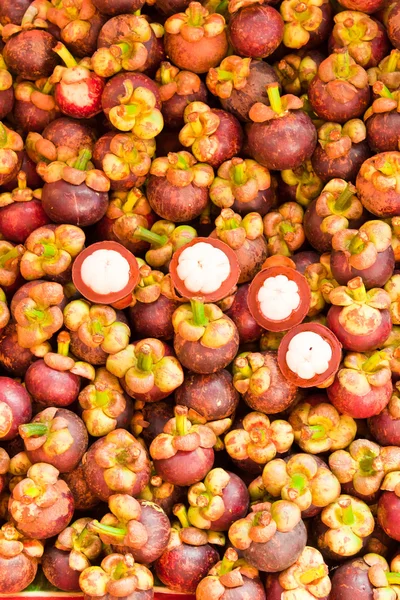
278	297
308	354
203	268
105	271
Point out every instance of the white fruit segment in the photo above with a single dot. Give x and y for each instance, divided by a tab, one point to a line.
203	268
278	297
105	271
308	355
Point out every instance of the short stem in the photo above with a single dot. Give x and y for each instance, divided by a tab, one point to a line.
275	98
47	88
357	245
33	429
197	128
108	529
312	574
102	398
386	168
286	227
82	161
96	327
119	571
181	423
343	198
348	514
179	511
224	75
3	135
65	55
199	318
182	163
10	255
22	180
318	432
298	482
226	565
46	250
144	359
391	66
32	492
124	47
130	110
222	7
149	236
239	175
34	313
343	64
372	362
393	578
382	90
63	342
130	203
359	293
230	224
80	540
195	15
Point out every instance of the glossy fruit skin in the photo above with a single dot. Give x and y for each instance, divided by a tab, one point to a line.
72	132
359	407
65	101
249	330
345	167
280	552
304	259
50	387
375	276
18	220
200	359
350	580
75	204
236	500
16	573
17	399
359	343
57	570
212	396
177	204
389	514
197	56
266	25
30	54
185	468
156	414
14	359
385	429
330	109
153	319
174	108
199	560
265	141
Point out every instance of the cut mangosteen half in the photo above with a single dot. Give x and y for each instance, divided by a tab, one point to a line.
106	273
279	298
205	267
309	355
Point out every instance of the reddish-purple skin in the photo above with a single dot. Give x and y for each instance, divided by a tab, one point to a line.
389	514
117	7
119	29
85	45
53	519
50	387
6	102
345	167
12	11
174	108
385	429
104	231
356	406
380	203
94	475
200	359
251	588
196	56
212	396
23	292
375	276
249	330
125	418
229	136
10	175
83	496
182	568
280	394
158	530
20	219
393	24
383	131
17	399
66	461
282	550
95	85
304	259
115	88
366	6
66	131
236	500
321	34
156	414
14	359
101	148
273	587
379	45
30	54
75	204
95	356
283	143
185	468
266	25
251	256
55	565
30	118
359	343
153	319
170	7
177	204
33	180
330	109
351	581
16	573
262	203
240	101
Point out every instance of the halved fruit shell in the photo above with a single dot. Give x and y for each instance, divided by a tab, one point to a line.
318	349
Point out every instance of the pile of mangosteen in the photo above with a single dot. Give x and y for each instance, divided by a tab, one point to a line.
200	298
